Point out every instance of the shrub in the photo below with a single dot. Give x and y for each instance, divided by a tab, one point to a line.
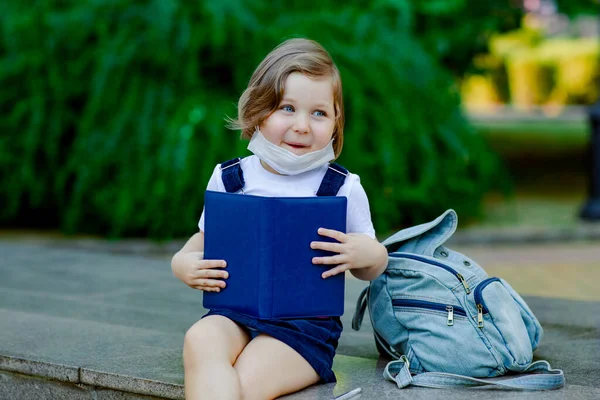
112	111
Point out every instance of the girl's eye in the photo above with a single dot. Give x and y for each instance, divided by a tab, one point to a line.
320	113
287	108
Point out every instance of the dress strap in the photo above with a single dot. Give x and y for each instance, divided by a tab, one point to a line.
333	180
232	175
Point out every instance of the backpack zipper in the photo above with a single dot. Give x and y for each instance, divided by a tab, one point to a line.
451	310
437	264
479	302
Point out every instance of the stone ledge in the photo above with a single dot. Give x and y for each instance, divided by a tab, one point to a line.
90	314
75	375
132	384
59	372
14	385
358	372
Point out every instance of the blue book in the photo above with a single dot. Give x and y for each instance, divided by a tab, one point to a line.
266	243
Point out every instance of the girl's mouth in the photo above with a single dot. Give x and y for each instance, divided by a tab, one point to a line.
296	145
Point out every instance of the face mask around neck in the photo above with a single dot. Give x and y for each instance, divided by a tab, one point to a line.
284	161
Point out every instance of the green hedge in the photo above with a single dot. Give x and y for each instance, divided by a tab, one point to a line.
455	31
112	111
578	7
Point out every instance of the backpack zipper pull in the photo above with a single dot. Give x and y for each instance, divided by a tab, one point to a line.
450	310
479	316
464	283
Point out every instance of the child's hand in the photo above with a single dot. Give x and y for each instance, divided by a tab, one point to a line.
355	251
198	273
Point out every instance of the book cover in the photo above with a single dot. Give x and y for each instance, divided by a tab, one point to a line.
266	243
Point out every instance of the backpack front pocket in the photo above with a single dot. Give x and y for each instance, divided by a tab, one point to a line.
450	310
499	317
441	338
436	264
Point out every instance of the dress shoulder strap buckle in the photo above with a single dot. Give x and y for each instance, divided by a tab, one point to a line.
232	175
333	180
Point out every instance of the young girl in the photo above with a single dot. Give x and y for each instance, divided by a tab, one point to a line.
293	114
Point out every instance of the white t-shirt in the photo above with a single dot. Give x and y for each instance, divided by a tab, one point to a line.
260	182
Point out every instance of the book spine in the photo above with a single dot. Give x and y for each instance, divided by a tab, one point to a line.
265	270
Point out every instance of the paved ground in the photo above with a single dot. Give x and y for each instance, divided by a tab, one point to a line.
102	323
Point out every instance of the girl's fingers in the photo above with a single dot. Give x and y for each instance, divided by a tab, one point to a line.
210	285
211	273
329	246
213	264
207	289
334	271
337	235
337	259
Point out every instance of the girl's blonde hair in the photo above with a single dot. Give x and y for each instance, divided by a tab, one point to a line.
266	86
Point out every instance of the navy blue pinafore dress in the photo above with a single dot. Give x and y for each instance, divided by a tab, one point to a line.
315	339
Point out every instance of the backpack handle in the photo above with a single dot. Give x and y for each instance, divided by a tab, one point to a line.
538	375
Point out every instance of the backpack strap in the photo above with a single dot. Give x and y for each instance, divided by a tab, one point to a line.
333	180
361	307
538	375
232	175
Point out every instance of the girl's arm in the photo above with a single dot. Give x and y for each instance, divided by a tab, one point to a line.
195	243
378	260
365	257
189	266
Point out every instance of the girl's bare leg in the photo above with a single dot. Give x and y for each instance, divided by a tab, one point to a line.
210	349
269	368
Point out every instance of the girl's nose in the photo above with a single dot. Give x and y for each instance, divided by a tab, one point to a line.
301	125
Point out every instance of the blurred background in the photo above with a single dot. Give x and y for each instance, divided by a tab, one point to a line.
112	112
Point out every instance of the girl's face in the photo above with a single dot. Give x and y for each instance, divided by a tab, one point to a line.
305	119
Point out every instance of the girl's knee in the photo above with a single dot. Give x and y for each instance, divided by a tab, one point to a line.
213	339
202	340
195	340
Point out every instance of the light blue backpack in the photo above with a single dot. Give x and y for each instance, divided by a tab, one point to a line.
439	315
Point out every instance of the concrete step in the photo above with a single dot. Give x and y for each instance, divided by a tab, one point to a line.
76	324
